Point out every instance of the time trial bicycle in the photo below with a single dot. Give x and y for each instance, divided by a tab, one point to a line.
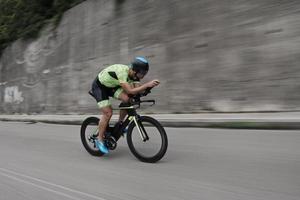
146	137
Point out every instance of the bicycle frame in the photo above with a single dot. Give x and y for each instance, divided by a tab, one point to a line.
131	117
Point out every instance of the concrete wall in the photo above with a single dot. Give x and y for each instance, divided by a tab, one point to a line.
210	55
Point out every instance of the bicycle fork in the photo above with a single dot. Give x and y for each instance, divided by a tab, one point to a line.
140	128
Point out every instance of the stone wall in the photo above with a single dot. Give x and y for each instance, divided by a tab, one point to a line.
225	56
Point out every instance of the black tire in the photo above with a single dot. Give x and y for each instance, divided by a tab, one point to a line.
156	126
84	134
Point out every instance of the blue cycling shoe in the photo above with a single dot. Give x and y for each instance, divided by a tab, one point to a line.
101	146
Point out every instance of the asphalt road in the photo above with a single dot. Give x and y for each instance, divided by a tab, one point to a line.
46	161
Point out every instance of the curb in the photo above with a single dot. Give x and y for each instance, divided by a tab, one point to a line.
233	124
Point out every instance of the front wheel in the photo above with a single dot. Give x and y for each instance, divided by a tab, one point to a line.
152	147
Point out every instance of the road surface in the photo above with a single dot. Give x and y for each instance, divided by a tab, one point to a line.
47	161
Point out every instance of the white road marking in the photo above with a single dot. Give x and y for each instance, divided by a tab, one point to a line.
12	175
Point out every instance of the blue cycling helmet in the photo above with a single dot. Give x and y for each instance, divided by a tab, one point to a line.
140	65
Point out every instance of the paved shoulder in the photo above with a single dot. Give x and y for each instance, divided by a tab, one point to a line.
275	120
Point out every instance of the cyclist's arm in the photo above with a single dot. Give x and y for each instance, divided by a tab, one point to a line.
133	90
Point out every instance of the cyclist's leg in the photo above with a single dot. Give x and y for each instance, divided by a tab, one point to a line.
122	96
101	94
104	121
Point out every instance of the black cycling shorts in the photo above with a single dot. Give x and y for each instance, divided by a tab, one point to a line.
102	93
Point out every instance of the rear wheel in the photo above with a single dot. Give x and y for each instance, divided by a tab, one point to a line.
88	135
154	147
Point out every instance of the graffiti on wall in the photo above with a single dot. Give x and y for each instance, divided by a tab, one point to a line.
13	95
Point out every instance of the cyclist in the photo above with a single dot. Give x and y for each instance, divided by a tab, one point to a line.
118	81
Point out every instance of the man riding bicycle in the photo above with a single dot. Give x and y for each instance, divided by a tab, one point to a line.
118	81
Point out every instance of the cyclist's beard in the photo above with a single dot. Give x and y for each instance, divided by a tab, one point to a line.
134	78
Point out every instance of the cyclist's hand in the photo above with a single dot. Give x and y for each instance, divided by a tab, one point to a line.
153	83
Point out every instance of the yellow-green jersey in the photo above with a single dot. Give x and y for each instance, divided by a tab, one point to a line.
113	75
107	83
